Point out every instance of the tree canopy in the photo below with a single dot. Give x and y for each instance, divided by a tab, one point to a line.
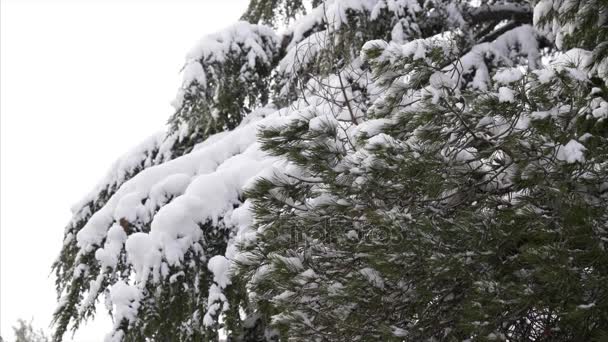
380	170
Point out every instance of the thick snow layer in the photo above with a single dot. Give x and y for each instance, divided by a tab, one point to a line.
371	127
323	122
215	46
256	43
601	111
143	251
545	75
174	200
215	302
572	152
202	162
193	72
507	76
334	13
506	95
108	256
522	39
220	266
380	139
125	166
574	57
504	50
125	299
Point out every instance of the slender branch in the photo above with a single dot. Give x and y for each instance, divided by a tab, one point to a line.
520	13
350	110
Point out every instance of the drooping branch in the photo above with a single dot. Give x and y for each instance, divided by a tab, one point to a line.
519	13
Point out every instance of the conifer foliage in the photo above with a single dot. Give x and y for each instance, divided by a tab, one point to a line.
382	170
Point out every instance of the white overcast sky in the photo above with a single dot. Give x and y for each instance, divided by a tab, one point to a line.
82	81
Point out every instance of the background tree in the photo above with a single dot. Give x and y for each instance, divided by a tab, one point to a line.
25	332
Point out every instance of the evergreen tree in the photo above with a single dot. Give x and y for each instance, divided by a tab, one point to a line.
24	332
382	170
